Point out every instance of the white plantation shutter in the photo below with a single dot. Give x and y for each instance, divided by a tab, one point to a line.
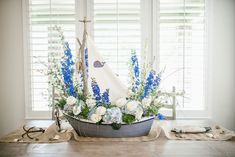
182	48
117	30
43	42
118	26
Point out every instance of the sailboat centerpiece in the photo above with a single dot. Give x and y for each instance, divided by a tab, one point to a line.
96	103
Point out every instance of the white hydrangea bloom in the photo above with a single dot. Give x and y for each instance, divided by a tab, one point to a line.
146	102
77	109
71	100
113	115
100	110
132	105
121	102
90	103
95	118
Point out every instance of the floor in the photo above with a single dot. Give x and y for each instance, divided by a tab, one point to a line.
159	148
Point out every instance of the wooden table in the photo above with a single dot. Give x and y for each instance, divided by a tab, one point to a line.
159	148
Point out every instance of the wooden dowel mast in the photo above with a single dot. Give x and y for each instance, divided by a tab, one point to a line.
82	52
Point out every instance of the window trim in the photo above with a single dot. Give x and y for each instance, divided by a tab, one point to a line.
83	8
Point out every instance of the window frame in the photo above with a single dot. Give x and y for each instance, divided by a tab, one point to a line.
150	8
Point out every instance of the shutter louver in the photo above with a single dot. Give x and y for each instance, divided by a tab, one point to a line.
117	30
43	16
182	49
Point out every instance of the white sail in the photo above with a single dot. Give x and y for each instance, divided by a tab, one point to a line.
103	74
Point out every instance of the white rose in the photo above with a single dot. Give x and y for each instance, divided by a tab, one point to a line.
132	105
71	100
95	118
90	103
77	110
121	102
139	113
100	110
146	102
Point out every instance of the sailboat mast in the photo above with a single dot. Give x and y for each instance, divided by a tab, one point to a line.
82	52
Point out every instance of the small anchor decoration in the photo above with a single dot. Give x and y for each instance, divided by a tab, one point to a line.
98	64
31	130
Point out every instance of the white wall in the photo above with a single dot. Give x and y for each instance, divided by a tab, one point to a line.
11	66
222	48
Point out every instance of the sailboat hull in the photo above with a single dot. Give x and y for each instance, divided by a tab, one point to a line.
88	129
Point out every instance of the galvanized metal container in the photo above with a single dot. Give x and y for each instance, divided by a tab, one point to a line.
89	129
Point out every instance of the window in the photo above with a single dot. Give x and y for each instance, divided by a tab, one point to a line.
43	16
117	30
182	48
175	31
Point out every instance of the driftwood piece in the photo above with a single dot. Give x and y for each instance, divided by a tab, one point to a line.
82	52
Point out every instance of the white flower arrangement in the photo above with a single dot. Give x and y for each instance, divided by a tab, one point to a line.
141	101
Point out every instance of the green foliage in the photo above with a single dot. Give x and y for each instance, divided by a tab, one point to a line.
111	106
82	97
61	103
116	126
85	111
128	118
100	122
152	110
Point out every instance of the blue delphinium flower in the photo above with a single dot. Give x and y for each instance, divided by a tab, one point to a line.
161	116
105	97
152	82
68	70
81	81
157	81
86	60
96	91
136	70
149	84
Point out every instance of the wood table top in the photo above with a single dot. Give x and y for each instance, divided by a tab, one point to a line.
161	147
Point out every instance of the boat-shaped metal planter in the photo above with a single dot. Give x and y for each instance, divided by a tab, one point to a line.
89	129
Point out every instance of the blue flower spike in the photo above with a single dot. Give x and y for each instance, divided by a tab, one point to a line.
86	60
96	91
67	68
105	98
136	70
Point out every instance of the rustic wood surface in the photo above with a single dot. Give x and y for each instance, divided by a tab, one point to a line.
159	148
